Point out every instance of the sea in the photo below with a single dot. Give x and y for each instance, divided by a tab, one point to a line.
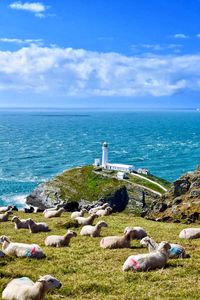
36	144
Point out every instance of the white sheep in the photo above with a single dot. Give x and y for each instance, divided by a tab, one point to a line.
52	208
86	221
4	217
60	240
20	223
76	214
37	227
93	231
5	208
54	213
25	289
190	233
176	251
95	209
113	242
148	261
139	232
21	249
104	212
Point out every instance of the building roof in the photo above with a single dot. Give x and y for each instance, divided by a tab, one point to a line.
120	165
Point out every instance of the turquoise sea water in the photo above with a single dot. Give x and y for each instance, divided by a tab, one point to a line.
34	145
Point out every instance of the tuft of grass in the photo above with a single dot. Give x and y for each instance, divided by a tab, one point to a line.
89	272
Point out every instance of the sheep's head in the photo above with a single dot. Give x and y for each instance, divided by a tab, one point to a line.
10	207
4	238
102	224
9	212
71	233
14	219
109	209
105	205
145	241
164	247
49	282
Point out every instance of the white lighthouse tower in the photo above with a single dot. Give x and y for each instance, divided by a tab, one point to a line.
104	154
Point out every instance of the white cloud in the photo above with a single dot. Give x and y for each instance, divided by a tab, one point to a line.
20	41
77	72
37	8
180	36
198	35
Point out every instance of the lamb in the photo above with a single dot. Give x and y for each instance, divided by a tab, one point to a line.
95	209
93	231
21	249
4	217
54	213
148	261
37	227
59	240
86	221
113	242
139	232
25	289
4	209
190	233
76	214
104	212
176	251
20	223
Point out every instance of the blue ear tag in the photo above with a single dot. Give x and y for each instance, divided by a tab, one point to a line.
175	250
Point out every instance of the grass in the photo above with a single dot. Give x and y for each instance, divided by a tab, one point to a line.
89	272
143	182
166	184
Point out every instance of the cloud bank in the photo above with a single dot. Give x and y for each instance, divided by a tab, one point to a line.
37	8
76	72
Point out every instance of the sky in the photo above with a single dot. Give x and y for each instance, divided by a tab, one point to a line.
102	53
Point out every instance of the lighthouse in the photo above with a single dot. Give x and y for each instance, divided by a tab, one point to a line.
104	154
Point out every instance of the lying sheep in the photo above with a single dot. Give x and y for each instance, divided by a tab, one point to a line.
176	251
139	232
93	231
52	208
25	289
4	217
95	209
76	214
59	240
190	233
37	227
21	249
113	242
4	209
54	213
148	261
86	221
104	212
20	223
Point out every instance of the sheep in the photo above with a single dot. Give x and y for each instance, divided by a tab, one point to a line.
4	209
148	261
37	227
2	254
93	231
104	212
76	214
20	223
4	217
95	209
113	242
139	232
54	213
21	249
59	240
86	221
52	208
190	233
176	251
25	289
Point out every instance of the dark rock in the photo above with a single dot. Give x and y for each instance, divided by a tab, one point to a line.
14	208
177	200
181	186
71	206
195	193
29	210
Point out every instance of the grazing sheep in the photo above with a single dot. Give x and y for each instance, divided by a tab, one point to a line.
93	231
95	209
139	232
37	227
176	251
86	221
59	240
190	233
52	208
20	223
21	249
25	289
113	242
76	214
4	217
4	209
148	261
104	212
54	213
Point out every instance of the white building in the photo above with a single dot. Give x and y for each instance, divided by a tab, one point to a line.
121	175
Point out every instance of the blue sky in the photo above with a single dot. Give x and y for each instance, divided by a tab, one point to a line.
102	53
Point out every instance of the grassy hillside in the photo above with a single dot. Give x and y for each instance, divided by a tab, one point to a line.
89	272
